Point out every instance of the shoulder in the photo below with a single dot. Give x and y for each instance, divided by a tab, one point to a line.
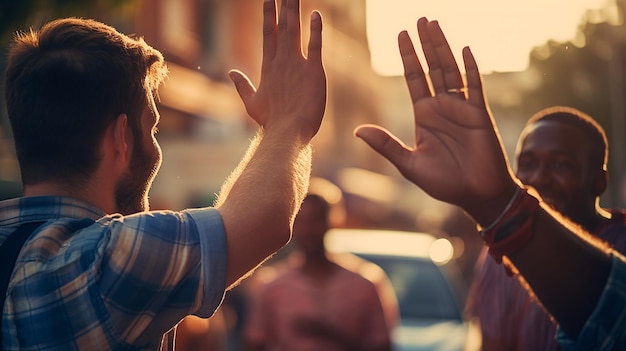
275	277
355	279
606	324
168	230
614	233
618	216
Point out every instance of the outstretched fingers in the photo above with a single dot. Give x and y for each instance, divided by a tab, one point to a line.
385	143
413	71
443	69
269	30
315	41
244	88
289	26
474	81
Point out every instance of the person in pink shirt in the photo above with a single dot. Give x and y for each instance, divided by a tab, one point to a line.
316	303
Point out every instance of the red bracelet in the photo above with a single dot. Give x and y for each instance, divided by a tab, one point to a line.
514	228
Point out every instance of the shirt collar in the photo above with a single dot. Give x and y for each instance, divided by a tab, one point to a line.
40	208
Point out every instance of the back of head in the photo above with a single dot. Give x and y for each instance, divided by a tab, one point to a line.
317	214
329	198
593	131
65	83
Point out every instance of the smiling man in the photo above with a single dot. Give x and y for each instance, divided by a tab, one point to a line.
562	153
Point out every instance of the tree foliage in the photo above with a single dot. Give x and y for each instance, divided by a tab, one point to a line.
590	78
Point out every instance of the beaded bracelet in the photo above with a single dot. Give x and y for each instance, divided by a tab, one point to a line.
512	230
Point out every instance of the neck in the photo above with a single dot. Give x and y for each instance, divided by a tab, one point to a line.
316	263
592	222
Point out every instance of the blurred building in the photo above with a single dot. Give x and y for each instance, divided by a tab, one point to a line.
204	128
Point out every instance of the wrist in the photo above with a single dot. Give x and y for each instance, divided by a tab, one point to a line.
488	212
513	229
291	130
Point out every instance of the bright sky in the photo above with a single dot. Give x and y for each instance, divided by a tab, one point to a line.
500	33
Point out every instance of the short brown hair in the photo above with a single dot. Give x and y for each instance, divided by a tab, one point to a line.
65	84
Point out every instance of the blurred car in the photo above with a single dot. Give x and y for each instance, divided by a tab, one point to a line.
426	280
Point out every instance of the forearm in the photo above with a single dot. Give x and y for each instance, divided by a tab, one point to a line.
565	267
260	199
564	270
234	175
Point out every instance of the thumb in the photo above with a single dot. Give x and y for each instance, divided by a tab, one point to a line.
244	87
383	142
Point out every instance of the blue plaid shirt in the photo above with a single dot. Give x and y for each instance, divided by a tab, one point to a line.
605	329
116	283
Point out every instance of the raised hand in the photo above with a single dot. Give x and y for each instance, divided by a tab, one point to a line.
292	91
457	156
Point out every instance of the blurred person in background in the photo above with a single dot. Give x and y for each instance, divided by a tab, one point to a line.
94	268
458	158
562	153
316	303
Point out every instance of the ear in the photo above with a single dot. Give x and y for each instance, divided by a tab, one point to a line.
121	137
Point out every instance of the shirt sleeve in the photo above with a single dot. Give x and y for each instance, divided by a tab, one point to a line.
161	266
494	297
213	258
605	330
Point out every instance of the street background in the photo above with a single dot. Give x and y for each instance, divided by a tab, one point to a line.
204	129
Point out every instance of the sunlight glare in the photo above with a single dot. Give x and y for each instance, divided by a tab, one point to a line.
441	251
500	33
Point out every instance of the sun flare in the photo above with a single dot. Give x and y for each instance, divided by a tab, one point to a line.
500	33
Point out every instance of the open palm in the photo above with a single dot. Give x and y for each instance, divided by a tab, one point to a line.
457	156
292	90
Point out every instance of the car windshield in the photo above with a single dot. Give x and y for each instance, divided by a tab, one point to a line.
421	288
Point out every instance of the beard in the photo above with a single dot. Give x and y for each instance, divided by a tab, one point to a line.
131	192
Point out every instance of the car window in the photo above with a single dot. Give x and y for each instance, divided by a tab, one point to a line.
421	288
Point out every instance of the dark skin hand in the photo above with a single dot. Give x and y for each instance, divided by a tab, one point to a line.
458	158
